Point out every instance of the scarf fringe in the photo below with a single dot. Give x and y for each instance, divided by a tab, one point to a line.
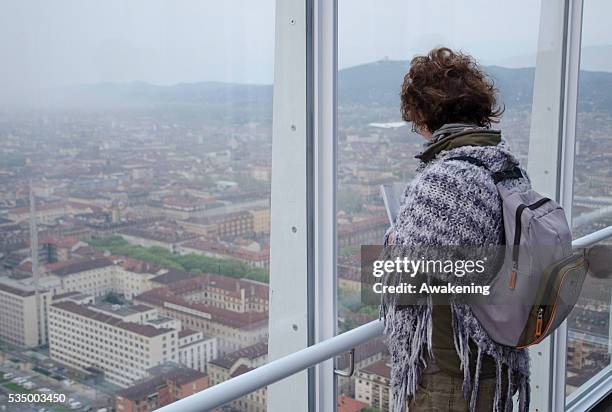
409	333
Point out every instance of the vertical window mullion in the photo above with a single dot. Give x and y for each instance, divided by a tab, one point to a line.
550	165
325	69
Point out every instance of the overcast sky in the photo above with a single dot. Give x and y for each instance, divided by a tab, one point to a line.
50	43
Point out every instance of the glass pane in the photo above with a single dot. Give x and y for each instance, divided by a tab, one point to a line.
138	134
588	339
376	147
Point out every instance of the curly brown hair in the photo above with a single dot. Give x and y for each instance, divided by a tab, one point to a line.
448	87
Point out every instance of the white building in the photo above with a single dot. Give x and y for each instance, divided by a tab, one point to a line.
196	349
118	341
21	323
101	276
373	385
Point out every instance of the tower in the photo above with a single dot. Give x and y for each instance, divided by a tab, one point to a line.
35	271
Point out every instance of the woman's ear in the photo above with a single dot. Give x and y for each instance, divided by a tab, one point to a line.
425	133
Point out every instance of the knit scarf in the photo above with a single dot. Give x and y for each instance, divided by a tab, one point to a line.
467	193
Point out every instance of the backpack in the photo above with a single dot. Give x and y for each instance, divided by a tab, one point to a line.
541	278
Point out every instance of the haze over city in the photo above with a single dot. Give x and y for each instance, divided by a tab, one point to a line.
136	151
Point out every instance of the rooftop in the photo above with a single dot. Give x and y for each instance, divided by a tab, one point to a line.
250	352
175	373
71	267
16	288
346	404
84	311
380	368
163	297
120	310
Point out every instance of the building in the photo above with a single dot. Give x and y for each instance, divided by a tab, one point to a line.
349	278
236	363
372	385
258	257
196	349
92	276
234	330
100	276
346	404
200	225
365	355
169	383
121	343
47	213
261	220
230	225
365	232
225	292
235	225
181	207
60	248
161	235
21	324
261	173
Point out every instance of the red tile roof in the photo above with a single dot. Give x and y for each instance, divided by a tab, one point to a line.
346	404
179	375
380	368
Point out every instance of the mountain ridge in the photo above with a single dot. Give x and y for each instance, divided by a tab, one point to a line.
376	83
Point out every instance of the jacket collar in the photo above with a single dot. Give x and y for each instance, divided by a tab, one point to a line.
455	135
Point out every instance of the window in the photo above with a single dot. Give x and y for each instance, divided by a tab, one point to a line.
375	147
144	131
588	330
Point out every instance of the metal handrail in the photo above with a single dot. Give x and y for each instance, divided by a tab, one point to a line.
278	369
592	238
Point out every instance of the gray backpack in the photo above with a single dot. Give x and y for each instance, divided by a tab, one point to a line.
541	278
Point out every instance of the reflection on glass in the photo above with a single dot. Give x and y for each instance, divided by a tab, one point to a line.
135	152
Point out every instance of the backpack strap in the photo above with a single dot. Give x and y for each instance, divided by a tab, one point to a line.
513	173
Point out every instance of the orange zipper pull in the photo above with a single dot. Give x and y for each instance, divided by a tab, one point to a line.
539	322
512	282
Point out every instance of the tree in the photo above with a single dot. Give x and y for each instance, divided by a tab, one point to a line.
192	262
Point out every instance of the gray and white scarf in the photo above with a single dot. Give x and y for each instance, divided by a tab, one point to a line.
451	203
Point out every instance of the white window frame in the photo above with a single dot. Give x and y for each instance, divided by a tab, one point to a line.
551	163
291	262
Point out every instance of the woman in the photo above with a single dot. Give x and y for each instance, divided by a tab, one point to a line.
442	359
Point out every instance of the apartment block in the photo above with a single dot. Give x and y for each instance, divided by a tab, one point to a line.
121	343
91	276
258	257
224	292
362	232
101	276
169	383
21	323
261	220
190	302
196	349
234	330
236	363
372	385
